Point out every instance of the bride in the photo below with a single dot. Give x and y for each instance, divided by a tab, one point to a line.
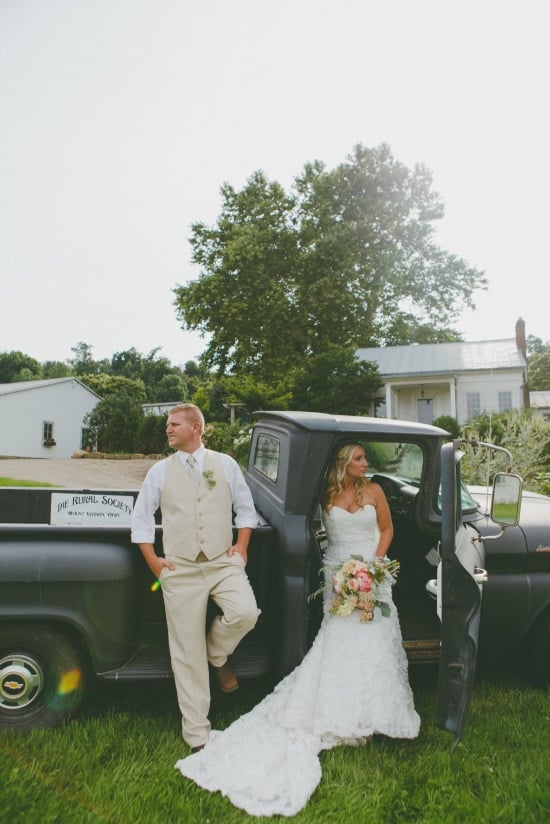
352	683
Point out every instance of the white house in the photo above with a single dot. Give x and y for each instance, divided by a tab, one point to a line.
159	408
540	403
424	381
43	419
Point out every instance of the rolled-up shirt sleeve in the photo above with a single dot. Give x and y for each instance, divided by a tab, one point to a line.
241	496
146	504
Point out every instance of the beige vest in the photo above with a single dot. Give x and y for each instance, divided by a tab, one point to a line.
195	518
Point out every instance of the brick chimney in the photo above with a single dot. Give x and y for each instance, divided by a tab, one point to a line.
522	346
520	337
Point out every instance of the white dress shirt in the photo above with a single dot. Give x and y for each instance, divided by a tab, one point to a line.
148	500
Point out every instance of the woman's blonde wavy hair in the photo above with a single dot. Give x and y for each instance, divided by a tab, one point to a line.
337	474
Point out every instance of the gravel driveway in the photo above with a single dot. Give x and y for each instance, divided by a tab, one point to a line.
78	473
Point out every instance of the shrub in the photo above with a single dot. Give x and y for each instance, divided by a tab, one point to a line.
450	424
525	435
223	437
151	436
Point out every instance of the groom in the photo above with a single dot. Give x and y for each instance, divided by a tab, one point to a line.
197	491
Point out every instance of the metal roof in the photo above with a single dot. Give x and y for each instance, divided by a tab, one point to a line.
440	358
26	386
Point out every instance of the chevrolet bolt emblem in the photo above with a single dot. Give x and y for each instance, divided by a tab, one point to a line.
13	685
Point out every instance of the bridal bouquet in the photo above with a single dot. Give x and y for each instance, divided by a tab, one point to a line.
358	585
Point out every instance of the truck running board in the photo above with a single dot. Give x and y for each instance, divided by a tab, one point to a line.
423	652
250	660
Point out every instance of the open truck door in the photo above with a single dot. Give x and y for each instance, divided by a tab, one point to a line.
461	577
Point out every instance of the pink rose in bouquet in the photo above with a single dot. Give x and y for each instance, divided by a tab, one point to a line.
360	584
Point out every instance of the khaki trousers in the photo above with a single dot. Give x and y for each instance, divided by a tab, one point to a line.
186	590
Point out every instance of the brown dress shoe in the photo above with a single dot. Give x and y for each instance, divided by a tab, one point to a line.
226	678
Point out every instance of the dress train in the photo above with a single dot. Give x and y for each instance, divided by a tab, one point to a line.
352	683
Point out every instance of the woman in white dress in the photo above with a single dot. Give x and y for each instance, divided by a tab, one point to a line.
352	684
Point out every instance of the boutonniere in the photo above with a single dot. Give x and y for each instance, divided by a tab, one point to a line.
208	476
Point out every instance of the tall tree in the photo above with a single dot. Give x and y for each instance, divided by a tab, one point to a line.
535	346
347	258
539	371
243	299
334	381
538	354
83	362
16	366
56	369
156	372
114	424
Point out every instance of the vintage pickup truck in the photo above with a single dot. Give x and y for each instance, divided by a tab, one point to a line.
77	602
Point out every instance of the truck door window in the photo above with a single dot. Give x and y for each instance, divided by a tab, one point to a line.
266	456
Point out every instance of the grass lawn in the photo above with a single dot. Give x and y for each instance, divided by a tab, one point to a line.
19	482
115	763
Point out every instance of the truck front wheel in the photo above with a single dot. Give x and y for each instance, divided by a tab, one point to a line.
41	677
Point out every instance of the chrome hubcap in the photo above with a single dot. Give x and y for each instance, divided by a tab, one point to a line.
21	681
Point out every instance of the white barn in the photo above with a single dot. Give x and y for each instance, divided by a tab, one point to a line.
424	381
43	419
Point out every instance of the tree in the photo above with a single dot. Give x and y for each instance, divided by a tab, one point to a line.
254	394
151	437
115	422
243	300
334	381
535	346
105	385
171	388
56	369
346	259
128	364
159	377
83	362
539	364
16	366
211	396
539	371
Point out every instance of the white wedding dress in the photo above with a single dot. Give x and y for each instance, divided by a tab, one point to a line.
352	683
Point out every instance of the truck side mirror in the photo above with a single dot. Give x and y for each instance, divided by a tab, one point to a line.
506	499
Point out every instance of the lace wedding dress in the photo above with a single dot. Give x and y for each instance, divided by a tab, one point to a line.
352	683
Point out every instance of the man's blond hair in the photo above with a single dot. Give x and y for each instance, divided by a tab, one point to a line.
191	411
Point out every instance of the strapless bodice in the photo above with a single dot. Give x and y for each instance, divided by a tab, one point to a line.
350	533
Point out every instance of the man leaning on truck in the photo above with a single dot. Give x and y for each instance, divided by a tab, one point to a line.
197	491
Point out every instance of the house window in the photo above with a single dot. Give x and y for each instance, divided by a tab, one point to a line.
504	401
473	404
47	433
380	408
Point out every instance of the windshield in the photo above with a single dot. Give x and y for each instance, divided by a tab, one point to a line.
403	461
468	502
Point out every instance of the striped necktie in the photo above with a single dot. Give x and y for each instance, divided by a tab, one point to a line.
193	469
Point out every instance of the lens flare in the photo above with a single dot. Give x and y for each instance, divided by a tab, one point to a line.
70	681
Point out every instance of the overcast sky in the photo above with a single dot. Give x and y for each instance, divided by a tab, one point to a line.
121	119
